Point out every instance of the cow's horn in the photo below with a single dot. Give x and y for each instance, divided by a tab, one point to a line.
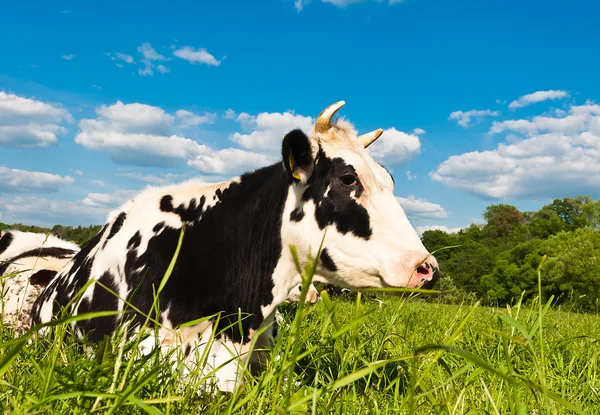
368	138
324	119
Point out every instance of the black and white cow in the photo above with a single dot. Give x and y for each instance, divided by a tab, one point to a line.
28	261
235	254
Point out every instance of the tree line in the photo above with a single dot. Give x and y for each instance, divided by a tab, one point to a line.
497	261
79	234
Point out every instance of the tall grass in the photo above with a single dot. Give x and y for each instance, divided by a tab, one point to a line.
342	355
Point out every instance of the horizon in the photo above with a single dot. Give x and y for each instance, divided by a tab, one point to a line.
480	103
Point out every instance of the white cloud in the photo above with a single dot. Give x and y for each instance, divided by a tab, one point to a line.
99	183
230	161
229	114
157	180
538	96
189	119
421	209
48	212
194	56
149	52
96	86
418	131
68	57
464	117
79	172
162	69
299	4
124	57
410	176
557	156
137	134
24	181
268	129
108	200
150	55
28	122
395	147
421	229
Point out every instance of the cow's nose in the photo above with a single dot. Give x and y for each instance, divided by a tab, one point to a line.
427	272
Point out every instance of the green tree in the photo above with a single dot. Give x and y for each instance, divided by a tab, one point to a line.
573	267
502	221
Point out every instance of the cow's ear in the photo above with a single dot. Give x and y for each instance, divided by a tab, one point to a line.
297	155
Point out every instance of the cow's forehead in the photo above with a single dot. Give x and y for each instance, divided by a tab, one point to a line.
372	174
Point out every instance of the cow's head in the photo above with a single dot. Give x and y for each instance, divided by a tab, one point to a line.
337	186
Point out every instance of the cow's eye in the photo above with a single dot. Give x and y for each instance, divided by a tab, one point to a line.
348	180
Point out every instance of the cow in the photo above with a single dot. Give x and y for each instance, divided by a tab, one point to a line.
28	261
236	257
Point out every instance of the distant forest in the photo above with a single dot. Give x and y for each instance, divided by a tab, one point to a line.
79	235
497	261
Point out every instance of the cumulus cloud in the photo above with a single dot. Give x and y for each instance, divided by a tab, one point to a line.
268	129
48	212
421	229
538	96
230	160
137	134
553	156
24	181
154	179
418	131
26	122
395	147
195	56
421	209
463	118
190	119
108	200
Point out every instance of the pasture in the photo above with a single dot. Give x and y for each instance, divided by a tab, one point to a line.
344	355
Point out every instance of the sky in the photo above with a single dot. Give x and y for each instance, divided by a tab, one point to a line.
481	102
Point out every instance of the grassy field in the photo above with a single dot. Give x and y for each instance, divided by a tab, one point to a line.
350	356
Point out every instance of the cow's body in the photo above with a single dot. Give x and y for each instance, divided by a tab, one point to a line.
235	255
28	261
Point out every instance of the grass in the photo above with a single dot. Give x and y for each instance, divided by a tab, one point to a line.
347	355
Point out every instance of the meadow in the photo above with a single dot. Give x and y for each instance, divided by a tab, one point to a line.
352	354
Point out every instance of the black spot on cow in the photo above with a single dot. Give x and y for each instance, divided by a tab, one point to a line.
158	227
189	213
188	349
135	241
5	241
327	261
166	203
42	277
297	214
102	300
116	227
339	206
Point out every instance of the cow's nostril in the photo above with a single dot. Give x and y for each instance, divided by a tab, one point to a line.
423	269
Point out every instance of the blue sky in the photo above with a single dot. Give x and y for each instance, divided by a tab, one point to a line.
481	102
